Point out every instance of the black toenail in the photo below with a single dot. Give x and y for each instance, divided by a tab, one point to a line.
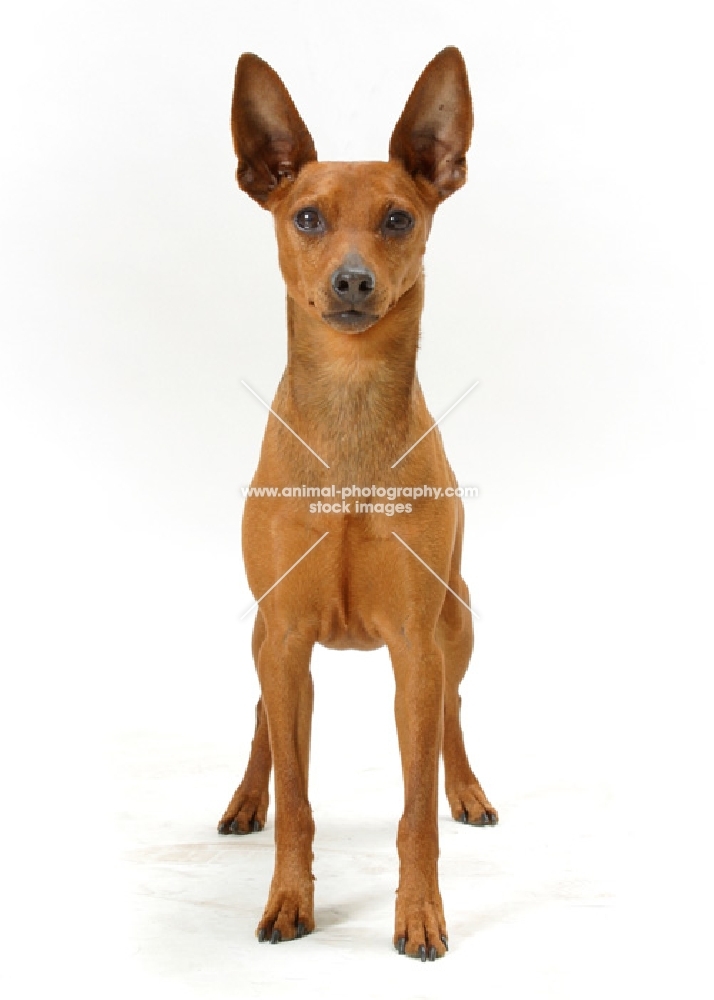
445	941
257	826
432	954
224	828
401	945
300	932
262	934
422	953
464	817
276	937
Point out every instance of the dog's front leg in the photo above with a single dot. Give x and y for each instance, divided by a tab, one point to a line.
286	690
420	929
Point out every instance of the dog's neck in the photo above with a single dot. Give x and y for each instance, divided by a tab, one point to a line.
354	395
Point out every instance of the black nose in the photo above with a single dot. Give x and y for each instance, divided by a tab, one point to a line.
353	282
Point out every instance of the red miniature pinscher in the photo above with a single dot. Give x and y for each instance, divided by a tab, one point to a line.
351	240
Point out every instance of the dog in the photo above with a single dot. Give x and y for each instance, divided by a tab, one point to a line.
349	410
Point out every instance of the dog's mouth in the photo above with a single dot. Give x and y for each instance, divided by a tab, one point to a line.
350	320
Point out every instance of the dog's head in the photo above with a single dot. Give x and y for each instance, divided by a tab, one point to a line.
351	236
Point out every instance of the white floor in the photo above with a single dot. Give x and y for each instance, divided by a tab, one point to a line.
528	904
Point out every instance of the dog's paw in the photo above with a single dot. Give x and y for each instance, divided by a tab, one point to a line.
287	916
420	930
470	805
246	812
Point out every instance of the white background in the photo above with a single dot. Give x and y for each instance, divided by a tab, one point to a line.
572	278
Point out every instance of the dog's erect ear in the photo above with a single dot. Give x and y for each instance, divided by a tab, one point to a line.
433	134
269	136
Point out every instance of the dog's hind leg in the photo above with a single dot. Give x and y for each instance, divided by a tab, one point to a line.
248	808
454	632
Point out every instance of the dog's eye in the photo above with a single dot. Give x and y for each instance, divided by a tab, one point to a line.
397	221
309	220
